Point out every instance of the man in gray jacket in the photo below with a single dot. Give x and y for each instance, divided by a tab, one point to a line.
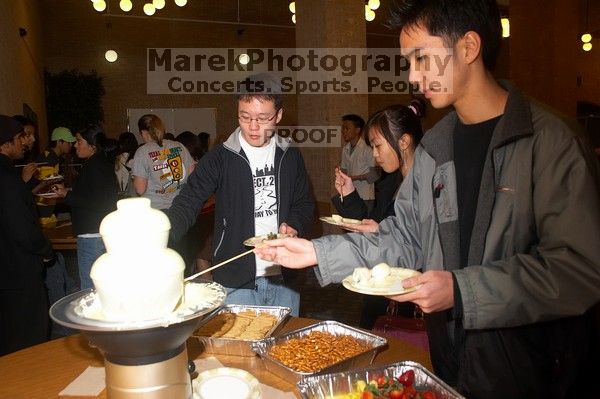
500	211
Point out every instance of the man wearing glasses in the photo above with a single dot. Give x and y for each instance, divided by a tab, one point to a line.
261	187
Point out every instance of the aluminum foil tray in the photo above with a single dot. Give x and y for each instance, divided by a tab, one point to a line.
375	343
240	347
329	385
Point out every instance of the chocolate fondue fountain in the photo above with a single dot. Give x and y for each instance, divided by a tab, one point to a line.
137	316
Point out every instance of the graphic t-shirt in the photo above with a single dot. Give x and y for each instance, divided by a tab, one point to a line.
166	168
262	161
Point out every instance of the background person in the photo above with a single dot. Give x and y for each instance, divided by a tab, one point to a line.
394	134
23	250
94	195
161	166
357	161
31	149
260	184
397	132
128	145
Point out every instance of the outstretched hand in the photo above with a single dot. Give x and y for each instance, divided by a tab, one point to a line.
294	253
435	294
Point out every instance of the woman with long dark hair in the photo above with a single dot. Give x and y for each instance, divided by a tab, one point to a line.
93	196
394	133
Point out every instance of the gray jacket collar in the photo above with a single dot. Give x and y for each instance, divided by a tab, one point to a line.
233	141
515	123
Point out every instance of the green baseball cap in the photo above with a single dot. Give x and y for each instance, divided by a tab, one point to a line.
62	133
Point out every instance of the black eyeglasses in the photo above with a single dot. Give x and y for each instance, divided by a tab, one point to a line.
261	120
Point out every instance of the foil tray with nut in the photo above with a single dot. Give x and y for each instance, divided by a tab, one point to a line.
323	347
347	384
234	328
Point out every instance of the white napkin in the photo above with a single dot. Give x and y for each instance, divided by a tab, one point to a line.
89	383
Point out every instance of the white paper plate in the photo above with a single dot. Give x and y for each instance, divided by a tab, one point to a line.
56	177
226	382
330	220
254	241
391	285
48	195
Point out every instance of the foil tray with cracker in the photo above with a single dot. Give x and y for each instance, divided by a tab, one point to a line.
344	383
372	344
234	328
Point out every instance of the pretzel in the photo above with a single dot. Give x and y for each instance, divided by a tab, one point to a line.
317	350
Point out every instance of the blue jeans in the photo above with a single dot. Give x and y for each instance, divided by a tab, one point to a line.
58	282
269	291
88	250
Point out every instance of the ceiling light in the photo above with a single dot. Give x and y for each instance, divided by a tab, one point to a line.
369	14
374	4
126	5
294	18
586	37
100	5
158	4
586	46
149	9
505	27
244	59
111	56
181	3
293	7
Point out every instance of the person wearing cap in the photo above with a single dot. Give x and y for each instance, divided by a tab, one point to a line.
23	250
61	142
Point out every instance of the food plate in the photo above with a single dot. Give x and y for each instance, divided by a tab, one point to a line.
234	346
47	195
54	177
374	342
338	221
254	241
226	382
391	285
343	384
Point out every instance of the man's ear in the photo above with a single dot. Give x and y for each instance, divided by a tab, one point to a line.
471	46
279	115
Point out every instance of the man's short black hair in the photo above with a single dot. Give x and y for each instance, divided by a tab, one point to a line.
355	119
451	19
23	120
263	86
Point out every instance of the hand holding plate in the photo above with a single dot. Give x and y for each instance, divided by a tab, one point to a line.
365	226
435	294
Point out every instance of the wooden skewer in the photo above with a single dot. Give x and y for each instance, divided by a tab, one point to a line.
25	164
218	265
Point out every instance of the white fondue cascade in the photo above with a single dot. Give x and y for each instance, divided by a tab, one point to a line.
139	278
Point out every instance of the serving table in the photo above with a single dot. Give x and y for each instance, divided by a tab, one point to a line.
61	237
44	370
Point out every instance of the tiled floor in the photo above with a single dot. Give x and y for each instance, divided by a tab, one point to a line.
332	302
